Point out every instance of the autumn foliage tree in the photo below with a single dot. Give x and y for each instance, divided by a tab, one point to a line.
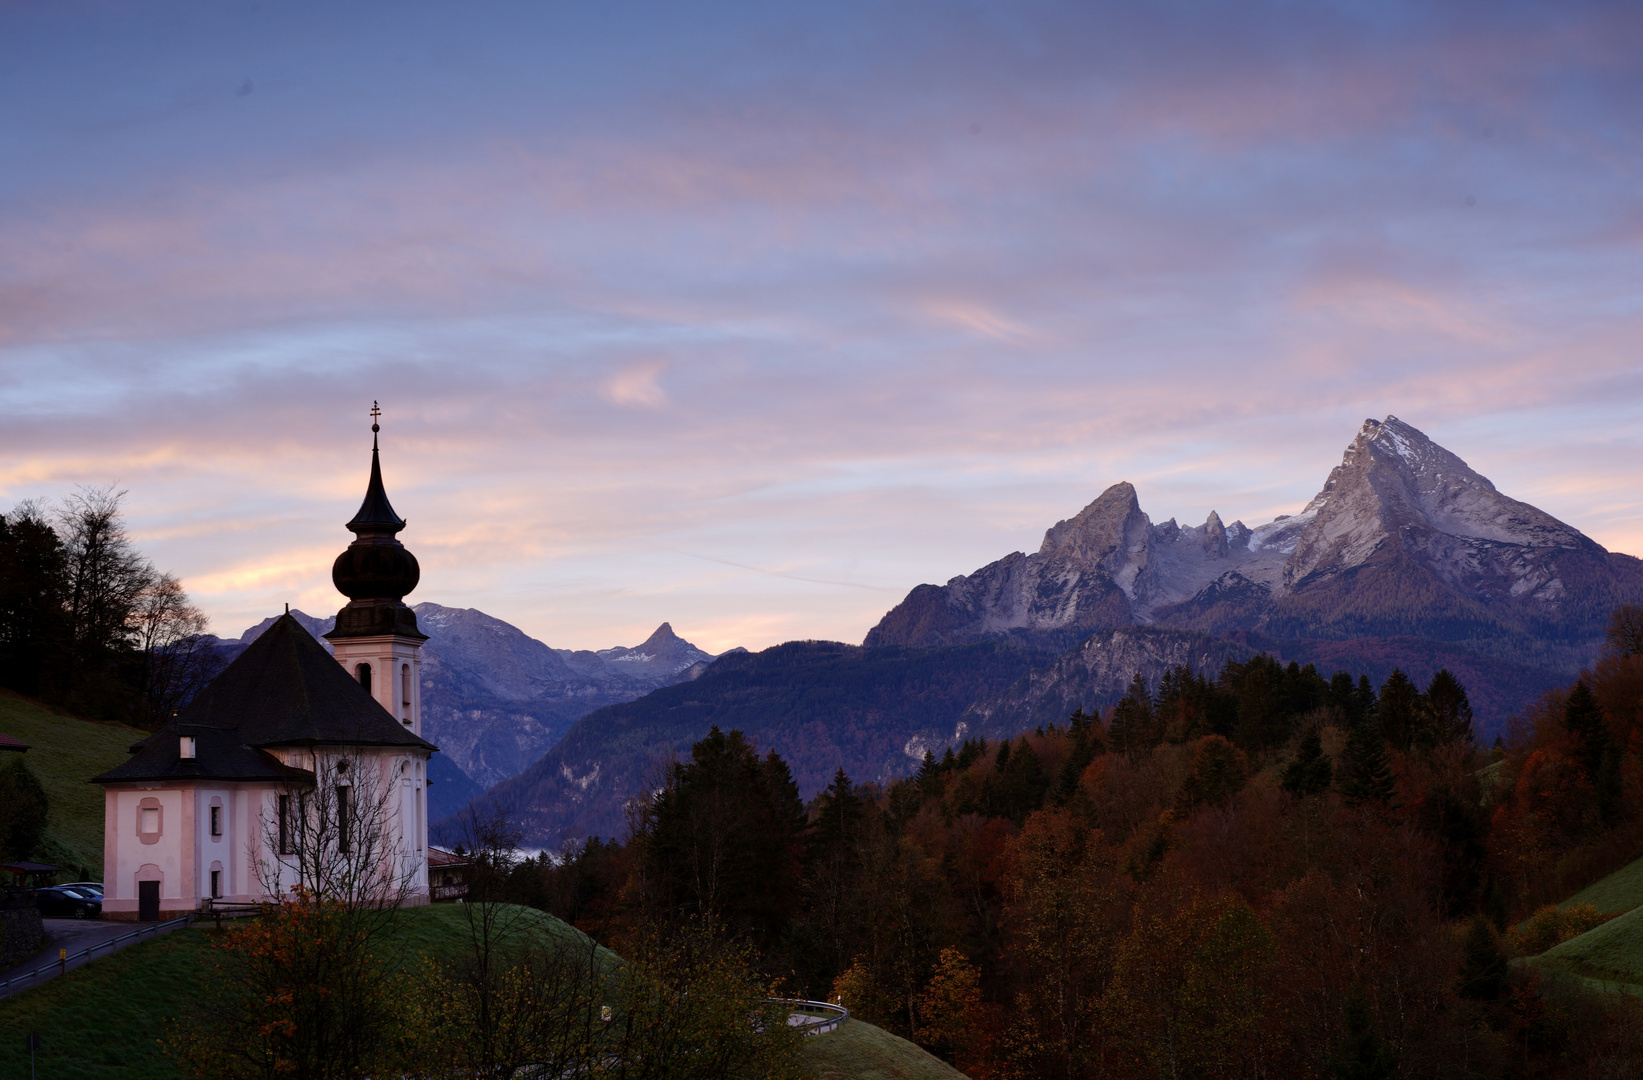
1260	873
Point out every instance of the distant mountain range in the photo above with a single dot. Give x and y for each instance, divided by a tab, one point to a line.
494	699
822	705
1406	557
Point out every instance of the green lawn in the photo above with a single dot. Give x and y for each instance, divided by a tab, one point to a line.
103	1021
1611	954
1620	891
67	752
440	932
106	1019
858	1051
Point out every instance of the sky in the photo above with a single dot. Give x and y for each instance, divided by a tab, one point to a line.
751	317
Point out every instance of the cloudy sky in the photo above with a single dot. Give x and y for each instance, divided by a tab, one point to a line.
751	317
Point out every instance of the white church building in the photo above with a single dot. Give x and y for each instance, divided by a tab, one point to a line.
293	767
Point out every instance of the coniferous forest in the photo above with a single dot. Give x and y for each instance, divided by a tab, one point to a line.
1268	873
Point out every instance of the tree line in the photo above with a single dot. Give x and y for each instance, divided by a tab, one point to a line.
1262	873
88	624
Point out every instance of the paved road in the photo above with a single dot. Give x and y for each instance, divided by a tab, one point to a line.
73	935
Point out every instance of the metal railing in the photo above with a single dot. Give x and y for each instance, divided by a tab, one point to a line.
814	1017
61	963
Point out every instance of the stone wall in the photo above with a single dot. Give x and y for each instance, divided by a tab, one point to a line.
24	933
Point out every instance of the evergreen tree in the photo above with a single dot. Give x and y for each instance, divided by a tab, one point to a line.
1341	697
1186	707
1483	964
33	601
1214	775
970	752
1362	1054
1310	772
1078	757
1366	774
1133	724
1018	788
1365	700
832	879
1583	718
1261	687
724	838
1449	713
1399	711
929	776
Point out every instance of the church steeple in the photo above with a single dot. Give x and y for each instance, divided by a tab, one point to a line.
376	514
375	572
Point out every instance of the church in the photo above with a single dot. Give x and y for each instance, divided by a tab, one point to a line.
294	769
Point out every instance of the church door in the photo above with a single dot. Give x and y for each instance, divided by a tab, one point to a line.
148	901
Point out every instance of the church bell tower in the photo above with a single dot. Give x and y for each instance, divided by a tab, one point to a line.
376	639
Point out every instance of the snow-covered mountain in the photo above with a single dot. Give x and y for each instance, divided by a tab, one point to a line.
495	699
1404	539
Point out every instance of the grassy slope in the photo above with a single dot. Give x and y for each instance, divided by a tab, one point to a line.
1611	953
859	1051
1620	891
67	752
103	1021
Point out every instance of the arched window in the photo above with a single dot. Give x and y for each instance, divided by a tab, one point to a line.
405	689
364	673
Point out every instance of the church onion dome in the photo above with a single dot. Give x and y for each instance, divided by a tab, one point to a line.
376	565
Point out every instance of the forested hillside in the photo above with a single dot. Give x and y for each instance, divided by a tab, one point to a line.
1266	873
822	705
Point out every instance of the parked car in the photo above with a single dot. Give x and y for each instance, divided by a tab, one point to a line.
60	901
85	887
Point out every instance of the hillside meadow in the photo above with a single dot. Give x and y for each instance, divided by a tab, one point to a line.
65	753
106	1020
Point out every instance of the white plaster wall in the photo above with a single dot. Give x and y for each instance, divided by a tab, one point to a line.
131	854
184	855
387	655
213	849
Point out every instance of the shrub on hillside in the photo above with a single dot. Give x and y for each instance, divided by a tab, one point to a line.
1553	925
23	810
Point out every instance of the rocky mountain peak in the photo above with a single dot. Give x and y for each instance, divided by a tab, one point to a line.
1098	530
1215	535
661	637
1404	538
1392	478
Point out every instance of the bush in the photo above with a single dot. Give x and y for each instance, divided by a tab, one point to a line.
1552	925
23	810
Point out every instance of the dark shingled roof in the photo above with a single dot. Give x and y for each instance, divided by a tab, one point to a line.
219	754
283	690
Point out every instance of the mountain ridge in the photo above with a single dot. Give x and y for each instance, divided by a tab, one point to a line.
495	699
1456	560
